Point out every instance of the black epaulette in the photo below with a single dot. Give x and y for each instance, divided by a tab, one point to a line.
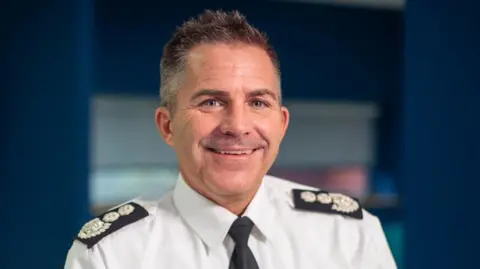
326	202
109	222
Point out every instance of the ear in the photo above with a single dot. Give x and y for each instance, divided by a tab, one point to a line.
285	120
164	124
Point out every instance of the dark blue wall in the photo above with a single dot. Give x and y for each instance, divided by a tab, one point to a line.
45	131
325	52
440	132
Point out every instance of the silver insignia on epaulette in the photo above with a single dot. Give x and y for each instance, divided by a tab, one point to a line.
324	198
344	203
111	217
126	210
308	196
93	228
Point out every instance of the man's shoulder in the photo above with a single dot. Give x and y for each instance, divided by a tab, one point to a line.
112	221
309	200
120	219
282	184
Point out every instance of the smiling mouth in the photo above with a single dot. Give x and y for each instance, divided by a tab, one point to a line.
232	152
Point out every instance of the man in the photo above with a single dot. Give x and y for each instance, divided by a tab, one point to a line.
221	111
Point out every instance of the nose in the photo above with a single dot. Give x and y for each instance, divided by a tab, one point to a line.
236	122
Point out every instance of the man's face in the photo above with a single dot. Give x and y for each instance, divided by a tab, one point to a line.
228	122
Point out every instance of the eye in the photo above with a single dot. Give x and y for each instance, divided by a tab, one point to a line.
259	103
210	103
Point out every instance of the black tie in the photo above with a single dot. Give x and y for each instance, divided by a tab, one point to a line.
242	257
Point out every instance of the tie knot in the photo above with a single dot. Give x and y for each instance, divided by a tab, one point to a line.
240	230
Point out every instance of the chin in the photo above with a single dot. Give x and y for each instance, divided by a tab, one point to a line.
233	183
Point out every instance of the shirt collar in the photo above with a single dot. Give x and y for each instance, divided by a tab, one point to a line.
211	222
260	211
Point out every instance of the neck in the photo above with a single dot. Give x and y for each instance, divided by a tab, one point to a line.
236	203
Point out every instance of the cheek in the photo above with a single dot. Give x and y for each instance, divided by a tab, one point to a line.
193	129
271	130
182	133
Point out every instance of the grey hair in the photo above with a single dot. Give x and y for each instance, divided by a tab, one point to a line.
208	28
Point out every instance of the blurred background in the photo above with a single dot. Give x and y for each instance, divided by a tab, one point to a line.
383	95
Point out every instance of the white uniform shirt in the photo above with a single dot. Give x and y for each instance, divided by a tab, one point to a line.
183	230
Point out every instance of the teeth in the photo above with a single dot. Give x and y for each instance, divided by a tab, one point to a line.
234	152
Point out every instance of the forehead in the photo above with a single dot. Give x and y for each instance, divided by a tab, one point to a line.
231	64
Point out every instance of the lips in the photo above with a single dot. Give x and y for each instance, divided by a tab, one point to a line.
238	152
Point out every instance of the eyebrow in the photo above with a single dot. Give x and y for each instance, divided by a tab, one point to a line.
209	92
220	93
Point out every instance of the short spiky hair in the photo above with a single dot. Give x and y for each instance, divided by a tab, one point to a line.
208	28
